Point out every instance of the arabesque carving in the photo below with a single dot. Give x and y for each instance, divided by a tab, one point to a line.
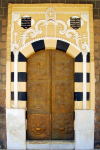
50	17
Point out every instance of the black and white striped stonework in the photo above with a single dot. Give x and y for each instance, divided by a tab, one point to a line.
22	78
42	45
78	77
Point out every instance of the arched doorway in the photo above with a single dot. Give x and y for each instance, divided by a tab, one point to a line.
50	96
64	27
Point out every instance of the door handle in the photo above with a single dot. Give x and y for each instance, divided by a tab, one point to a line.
38	129
62	129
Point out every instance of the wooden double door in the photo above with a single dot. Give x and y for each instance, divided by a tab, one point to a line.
50	93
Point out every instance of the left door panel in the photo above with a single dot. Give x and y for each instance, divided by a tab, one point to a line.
38	89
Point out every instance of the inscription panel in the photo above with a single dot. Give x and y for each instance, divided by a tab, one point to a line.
26	22
75	23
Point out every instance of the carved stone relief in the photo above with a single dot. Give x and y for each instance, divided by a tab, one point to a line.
60	28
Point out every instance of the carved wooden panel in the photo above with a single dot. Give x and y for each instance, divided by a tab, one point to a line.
62	126
62	96
38	126
39	96
38	66
62	66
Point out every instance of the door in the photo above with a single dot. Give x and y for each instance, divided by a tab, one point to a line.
50	94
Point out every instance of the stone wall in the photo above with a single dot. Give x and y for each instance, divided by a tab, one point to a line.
97	83
3	35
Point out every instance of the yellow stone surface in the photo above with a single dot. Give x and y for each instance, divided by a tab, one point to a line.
27	51
72	51
20	68
79	105
79	67
21	86
50	30
79	87
50	43
21	104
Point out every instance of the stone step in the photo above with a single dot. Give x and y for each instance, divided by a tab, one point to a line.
51	144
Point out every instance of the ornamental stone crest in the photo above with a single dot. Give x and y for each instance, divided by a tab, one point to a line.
50	14
72	27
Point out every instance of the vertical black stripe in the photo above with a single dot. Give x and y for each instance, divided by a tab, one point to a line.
88	57
12	57
78	77
12	95
74	134
22	77
21	57
26	114
88	96
79	58
61	45
78	96
38	45
88	77
12	76
74	115
21	96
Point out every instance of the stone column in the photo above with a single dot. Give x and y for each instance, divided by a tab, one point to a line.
84	79
16	52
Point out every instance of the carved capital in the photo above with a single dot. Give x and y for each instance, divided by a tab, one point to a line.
84	56
16	52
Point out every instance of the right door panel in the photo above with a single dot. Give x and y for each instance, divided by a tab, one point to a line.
62	96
